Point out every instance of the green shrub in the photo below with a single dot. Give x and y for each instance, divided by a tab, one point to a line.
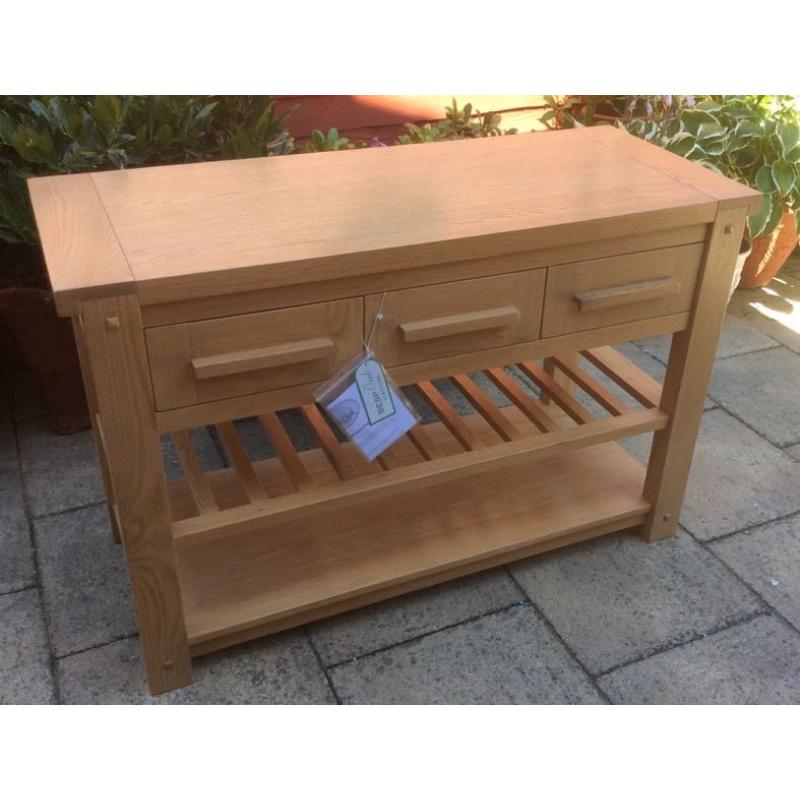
46	135
457	124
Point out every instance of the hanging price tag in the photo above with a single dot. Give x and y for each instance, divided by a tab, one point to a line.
367	406
374	388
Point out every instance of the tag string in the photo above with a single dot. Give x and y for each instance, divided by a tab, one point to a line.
378	318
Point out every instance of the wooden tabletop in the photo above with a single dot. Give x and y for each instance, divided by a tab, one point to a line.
198	229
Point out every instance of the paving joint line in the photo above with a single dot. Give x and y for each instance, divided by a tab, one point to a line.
554	631
321	664
121	638
746	583
420	636
741	619
46	621
747	529
747	425
19	590
83	507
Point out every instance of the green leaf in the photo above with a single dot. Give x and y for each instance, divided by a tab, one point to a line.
708	105
716	148
759	220
106	112
32	146
774	217
784	176
747	128
747	156
788	135
709	130
764	182
681	144
693	119
794	156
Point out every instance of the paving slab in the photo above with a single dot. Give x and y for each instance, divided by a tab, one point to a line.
84	580
60	472
8	445
738	336
359	632
762	390
619	598
280	669
26	397
17	569
24	660
737	479
204	446
754	662
773	310
506	657
768	559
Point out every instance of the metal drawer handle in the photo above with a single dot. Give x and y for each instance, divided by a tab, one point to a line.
471	321
279	355
627	293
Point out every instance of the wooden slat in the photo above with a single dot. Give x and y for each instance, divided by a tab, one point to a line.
592	387
385	484
449	416
532	410
193	471
426	446
344	466
638	384
285	449
555	391
240	461
487	409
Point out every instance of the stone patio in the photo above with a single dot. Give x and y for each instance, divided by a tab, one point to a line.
711	616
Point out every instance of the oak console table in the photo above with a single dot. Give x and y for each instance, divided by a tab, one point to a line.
204	294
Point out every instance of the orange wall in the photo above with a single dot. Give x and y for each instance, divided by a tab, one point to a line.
366	116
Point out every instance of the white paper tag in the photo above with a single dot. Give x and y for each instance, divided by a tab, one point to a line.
370	412
375	394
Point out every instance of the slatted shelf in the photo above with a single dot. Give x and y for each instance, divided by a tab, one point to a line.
478	418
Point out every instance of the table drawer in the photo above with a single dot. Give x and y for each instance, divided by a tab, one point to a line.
609	291
458	317
201	361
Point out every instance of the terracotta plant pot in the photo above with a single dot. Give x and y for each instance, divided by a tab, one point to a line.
745	249
770	253
48	346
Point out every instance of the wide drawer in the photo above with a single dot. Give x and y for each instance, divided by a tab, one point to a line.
458	317
210	360
609	291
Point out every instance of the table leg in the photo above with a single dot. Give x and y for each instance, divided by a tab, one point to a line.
686	382
115	349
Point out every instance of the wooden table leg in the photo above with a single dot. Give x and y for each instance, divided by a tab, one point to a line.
114	343
91	401
691	359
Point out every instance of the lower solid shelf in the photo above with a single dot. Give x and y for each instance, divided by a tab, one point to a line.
292	572
270	543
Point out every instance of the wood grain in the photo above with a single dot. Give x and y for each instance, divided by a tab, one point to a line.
84	257
686	381
592	294
125	405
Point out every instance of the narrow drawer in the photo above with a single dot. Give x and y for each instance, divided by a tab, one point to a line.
609	291
459	317
213	359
